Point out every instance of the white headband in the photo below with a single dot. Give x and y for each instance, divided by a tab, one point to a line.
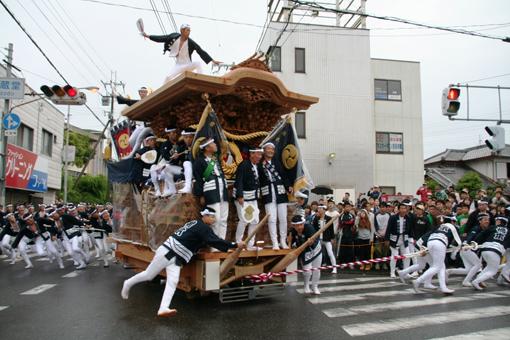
150	137
170	130
183	26
322	206
207	142
184	133
256	150
268	144
207	212
300	222
301	194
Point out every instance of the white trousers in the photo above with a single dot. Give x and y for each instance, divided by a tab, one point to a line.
412	249
492	259
22	248
277	212
52	251
82	256
158	263
420	263
395	251
505	271
241	225
437	253
87	242
180	68
315	275
329	249
188	175
472	264
220	226
166	173
6	247
101	249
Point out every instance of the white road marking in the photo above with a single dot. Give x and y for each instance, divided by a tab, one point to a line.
3	307
356	287
71	274
430	319
492	334
43	259
336	281
398	305
39	289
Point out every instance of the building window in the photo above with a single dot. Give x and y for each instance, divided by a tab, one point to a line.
389	142
388	190
300	124
300	60
25	137
276	58
387	89
47	143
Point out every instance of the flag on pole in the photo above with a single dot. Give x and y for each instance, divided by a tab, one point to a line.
284	137
209	127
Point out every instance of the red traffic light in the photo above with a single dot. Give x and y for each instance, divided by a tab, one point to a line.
71	91
453	93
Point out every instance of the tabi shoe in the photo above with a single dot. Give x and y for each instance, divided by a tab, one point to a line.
29	266
429	286
393	276
476	286
276	246
184	190
81	266
307	290
334	271
61	265
125	291
483	284
377	266
167	312
316	291
402	277
416	287
501	281
283	245
414	275
467	284
254	248
447	291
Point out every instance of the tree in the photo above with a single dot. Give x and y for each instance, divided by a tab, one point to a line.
431	184
472	181
82	144
90	189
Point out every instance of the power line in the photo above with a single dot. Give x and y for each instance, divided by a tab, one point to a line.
264	29
158	18
83	36
404	21
281	32
62	37
169	14
66	27
487	78
33	41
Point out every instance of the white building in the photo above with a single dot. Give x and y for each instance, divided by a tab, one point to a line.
367	127
97	165
41	136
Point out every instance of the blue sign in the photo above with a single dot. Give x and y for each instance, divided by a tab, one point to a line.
11	121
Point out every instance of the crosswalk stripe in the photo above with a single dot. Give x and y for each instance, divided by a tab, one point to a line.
71	274
39	289
356	287
398	305
498	333
3	307
410	322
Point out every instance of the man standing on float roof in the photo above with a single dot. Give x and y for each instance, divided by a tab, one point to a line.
181	46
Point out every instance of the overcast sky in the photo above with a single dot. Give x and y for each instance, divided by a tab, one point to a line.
109	37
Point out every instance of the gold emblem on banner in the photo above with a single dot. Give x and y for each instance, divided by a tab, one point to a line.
290	156
123	140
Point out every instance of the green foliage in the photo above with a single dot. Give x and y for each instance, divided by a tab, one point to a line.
431	184
82	144
472	181
90	189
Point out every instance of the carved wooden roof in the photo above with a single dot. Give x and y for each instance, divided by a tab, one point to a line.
246	99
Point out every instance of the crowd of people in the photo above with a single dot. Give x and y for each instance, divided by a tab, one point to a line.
52	231
372	228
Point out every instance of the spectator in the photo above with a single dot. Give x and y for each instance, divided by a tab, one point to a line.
440	194
375	193
347	198
483	207
499	198
365	234
423	191
382	246
347	229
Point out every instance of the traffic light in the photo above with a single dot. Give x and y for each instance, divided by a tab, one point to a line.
67	95
450	101
497	142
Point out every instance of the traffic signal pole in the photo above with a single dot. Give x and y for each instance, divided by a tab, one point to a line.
3	144
66	153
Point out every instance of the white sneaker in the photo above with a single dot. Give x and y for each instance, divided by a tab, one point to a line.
307	290
334	271
283	245
401	276
125	291
416	287
316	291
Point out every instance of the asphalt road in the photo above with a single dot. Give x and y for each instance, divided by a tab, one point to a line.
50	303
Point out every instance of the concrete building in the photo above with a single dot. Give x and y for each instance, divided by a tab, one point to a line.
97	165
367	127
34	164
449	166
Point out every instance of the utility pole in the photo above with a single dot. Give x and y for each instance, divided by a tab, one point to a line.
3	144
66	153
